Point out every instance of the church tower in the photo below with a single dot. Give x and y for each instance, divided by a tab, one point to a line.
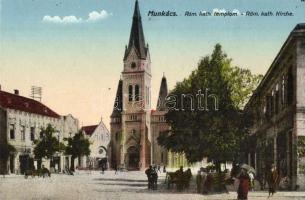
132	147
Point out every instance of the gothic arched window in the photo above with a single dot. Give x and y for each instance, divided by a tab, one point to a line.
117	136
137	93
130	93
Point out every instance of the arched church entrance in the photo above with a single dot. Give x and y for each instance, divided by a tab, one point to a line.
133	158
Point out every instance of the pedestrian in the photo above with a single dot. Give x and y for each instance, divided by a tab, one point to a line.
204	174
159	168
251	176
148	173
115	168
90	167
273	178
243	187
164	169
180	179
154	178
199	182
103	169
187	176
208	183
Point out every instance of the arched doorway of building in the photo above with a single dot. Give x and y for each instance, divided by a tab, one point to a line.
133	158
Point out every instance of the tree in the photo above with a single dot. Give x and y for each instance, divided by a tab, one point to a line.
5	150
77	147
212	132
47	145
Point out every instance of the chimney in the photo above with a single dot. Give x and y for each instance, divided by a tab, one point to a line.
16	92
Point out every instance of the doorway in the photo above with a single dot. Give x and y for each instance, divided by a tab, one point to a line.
133	158
12	163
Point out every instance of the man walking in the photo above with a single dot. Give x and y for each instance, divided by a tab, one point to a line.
148	173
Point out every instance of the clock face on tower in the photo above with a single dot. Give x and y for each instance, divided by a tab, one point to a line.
133	65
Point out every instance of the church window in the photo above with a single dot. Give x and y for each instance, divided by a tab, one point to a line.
133	65
137	91
130	93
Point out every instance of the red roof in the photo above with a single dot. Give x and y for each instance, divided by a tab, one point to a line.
89	129
16	102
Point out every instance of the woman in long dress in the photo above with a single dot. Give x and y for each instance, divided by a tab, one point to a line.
243	187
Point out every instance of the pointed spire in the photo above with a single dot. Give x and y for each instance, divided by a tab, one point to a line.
136	38
162	94
136	13
118	104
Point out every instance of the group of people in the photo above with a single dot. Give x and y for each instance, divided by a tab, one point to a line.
243	179
245	182
152	176
204	181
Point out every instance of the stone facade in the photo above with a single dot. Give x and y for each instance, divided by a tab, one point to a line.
21	125
99	137
158	127
278	107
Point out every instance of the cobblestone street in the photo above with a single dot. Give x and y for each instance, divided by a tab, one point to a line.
125	185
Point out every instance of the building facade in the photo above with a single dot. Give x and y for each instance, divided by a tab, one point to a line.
278	108
99	137
21	121
134	127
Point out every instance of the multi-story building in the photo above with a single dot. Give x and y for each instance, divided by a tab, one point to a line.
278	107
21	120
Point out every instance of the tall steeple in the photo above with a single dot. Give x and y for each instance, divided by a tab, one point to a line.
162	95
136	38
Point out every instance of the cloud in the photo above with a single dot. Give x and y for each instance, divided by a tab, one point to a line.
93	16
96	16
62	20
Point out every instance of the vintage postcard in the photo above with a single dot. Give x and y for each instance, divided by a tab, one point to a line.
152	99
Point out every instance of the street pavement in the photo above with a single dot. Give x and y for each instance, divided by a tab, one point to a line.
124	185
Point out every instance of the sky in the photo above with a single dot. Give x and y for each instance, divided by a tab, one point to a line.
74	49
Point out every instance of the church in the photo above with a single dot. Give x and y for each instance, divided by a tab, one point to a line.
134	126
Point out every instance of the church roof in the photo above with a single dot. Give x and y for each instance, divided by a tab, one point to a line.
118	104
136	38
162	95
17	102
89	129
